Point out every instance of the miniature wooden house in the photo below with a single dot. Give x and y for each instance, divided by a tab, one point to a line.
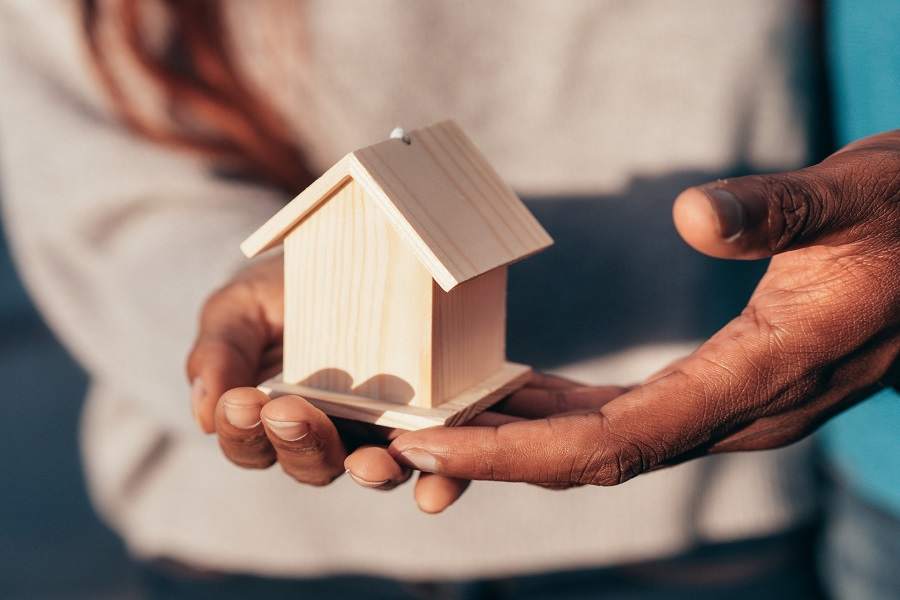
395	282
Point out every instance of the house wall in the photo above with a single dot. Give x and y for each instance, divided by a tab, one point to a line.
469	333
357	304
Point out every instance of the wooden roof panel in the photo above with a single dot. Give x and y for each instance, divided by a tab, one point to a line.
454	201
446	200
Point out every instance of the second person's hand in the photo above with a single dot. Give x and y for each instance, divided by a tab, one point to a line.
820	333
239	345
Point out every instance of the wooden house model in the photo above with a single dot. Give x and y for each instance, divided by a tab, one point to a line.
395	282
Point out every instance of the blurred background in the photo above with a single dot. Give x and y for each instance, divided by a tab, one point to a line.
123	235
52	545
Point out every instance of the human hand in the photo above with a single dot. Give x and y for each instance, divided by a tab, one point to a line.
821	332
239	345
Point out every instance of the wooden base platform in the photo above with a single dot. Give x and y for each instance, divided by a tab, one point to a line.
389	414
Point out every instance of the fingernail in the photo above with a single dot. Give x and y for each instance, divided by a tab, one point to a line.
242	416
421	460
198	392
730	212
366	482
289	431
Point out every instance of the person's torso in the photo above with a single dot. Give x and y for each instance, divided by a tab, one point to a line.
597	113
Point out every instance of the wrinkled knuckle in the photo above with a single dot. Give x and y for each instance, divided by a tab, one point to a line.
630	459
585	434
617	469
797	208
254	440
492	464
754	317
616	457
758	323
605	474
250	452
309	448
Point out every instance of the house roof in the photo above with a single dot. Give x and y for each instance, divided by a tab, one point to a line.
439	192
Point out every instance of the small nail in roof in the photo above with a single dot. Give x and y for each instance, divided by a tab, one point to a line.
439	192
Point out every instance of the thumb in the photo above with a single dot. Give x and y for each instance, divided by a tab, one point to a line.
761	215
227	352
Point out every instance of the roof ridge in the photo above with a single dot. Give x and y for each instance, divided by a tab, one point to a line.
444	199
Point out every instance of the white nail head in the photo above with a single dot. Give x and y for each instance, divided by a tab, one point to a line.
398	133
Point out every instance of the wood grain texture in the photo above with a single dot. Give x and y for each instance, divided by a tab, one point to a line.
395	281
273	231
357	304
444	199
462	217
469	334
456	411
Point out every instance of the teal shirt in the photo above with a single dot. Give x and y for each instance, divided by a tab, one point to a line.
864	59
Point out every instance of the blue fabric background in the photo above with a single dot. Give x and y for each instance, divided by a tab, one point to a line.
864	59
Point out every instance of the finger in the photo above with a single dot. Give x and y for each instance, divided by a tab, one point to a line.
538	451
488	418
850	381
373	467
535	403
629	435
241	435
550	381
729	382
434	493
306	443
227	351
762	215
850	196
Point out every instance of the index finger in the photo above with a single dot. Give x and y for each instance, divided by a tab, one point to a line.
629	434
226	353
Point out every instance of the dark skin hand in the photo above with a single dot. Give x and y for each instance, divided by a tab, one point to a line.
821	332
238	346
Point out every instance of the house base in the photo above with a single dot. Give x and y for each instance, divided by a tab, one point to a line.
455	411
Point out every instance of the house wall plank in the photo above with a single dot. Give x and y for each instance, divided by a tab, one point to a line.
357	304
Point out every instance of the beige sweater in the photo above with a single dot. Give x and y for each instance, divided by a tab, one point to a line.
597	111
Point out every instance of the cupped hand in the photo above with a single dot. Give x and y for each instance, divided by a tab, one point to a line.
239	345
821	332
